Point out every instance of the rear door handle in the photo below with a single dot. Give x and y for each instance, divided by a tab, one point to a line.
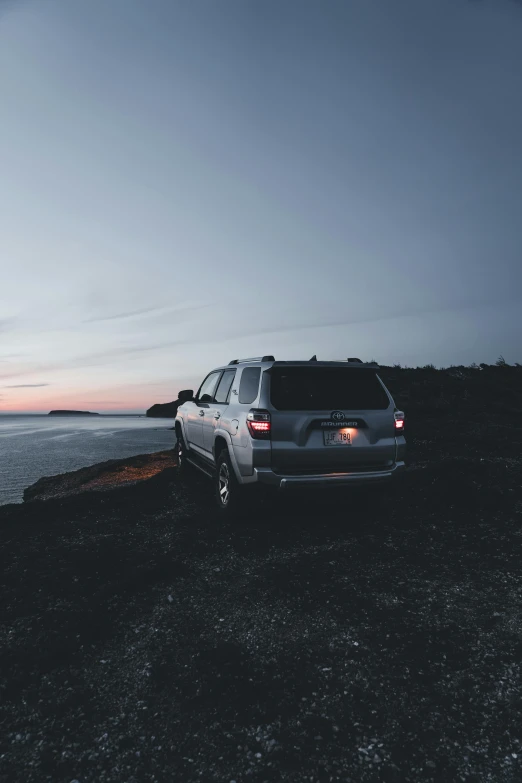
202	413
217	415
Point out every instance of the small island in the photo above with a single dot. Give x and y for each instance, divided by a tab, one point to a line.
72	413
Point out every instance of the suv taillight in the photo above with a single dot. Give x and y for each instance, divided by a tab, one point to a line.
399	422
259	425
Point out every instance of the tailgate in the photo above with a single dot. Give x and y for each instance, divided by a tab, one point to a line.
352	427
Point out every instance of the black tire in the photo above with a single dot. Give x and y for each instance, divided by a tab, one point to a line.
229	495
181	456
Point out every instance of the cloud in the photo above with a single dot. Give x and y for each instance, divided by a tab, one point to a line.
101	402
6	357
144	311
92	359
128	314
26	385
121	352
5	323
414	312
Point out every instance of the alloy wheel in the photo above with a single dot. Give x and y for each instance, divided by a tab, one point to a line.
224	484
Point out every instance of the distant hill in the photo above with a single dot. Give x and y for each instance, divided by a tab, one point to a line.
463	392
166	410
72	413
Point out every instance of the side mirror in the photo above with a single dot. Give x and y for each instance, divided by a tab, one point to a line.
186	395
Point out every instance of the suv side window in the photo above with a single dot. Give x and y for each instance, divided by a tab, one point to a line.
207	388
225	384
249	386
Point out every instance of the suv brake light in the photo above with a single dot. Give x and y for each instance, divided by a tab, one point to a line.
258	423
399	421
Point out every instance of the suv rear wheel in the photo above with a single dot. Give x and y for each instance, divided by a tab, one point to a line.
229	494
181	456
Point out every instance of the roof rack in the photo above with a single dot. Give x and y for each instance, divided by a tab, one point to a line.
253	359
353	359
359	361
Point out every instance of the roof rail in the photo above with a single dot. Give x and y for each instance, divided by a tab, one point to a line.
358	361
353	359
253	359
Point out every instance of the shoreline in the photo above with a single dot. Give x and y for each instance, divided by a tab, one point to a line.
38	446
113	475
99	477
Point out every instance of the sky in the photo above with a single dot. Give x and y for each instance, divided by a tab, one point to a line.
185	183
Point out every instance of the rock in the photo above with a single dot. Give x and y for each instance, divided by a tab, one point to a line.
113	474
165	410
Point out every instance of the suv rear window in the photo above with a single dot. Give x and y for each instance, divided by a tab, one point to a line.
326	389
249	385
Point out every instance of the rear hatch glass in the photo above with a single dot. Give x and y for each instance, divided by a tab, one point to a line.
326	389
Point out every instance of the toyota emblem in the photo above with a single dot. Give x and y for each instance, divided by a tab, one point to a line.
337	415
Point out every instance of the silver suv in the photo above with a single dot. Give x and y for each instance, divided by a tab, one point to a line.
284	424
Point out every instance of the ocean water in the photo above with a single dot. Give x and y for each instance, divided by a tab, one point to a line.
36	446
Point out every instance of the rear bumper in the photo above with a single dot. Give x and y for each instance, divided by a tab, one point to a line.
357	478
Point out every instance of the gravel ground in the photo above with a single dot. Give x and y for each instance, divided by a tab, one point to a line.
358	637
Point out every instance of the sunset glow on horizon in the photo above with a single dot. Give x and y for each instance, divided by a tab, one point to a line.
115	400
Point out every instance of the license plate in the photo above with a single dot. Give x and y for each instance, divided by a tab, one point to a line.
337	438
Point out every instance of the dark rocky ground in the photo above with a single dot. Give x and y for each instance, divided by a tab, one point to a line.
363	637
